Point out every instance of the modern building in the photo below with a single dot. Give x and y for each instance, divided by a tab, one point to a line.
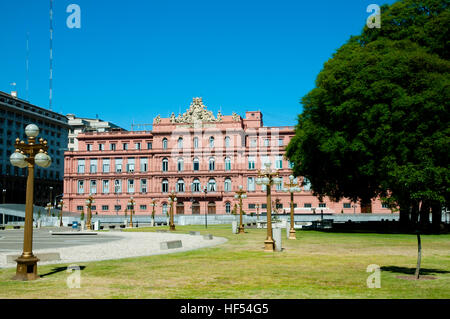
15	115
187	154
80	125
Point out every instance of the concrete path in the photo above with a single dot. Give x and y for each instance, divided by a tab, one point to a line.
103	246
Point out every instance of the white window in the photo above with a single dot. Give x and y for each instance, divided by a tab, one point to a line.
143	186
180	142
164	143
105	186
130	165
195	142
196	164
81	166
125	146
131	186
196	185
165	165
106	165
307	184
143	164
279	162
180	164
211	142
149	145
280	186
165	186
117	186
280	142
101	147
264	160
250	184
118	165
212	185
227	141
93	187
180	186
89	147
228	208
227	185
227	164
80	187
251	162
112	146
137	146
253	142
266	142
211	163
93	165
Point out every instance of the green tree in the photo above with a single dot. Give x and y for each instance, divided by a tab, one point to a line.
377	123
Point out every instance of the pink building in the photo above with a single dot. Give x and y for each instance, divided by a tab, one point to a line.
186	154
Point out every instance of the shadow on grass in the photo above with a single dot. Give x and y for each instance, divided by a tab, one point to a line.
59	269
411	271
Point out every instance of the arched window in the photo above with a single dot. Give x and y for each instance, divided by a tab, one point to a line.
196	164
165	186
180	142
180	186
180	164
211	142
228	208
211	163
196	185
164	143
227	141
165	164
227	163
195	142
227	185
212	185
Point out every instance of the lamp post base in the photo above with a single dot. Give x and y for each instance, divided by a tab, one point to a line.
130	225
269	245
292	234
172	227
241	229
26	268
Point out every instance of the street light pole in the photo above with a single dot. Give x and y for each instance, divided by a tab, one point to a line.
172	200
205	190
89	201
257	211
27	155
131	202
268	177
240	194
292	187
153	204
4	201
61	205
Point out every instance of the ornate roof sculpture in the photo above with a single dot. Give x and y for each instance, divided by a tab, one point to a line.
197	112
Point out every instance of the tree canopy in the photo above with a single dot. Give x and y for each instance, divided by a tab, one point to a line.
377	122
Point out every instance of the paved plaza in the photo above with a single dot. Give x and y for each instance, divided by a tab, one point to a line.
77	247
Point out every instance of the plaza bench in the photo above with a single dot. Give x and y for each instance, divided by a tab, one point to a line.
171	244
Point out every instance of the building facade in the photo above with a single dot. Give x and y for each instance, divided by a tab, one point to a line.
15	115
80	125
203	158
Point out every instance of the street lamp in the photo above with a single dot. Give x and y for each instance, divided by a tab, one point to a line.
268	177
49	208
27	155
172	200
60	206
153	204
240	194
205	190
257	211
292	187
4	201
51	195
131	203
89	201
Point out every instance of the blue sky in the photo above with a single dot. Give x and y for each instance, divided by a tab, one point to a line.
132	60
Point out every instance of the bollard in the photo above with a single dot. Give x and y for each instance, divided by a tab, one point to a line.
277	238
234	227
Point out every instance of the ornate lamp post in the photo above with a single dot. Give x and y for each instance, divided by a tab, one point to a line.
89	201
49	208
61	206
172	200
240	194
257	211
153	204
268	177
292	187
51	195
27	155
131	203
205	190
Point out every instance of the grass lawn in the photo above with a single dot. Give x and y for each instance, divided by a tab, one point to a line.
316	265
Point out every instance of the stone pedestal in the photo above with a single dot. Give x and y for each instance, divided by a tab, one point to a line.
83	225
97	225
26	268
234	227
277	238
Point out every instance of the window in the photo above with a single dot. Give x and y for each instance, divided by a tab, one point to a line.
118	165
251	184
280	186
227	141
112	147
105	207
130	165
211	163
71	140
117	186
149	145
80	187
347	205
106	165
131	186
89	147
196	164
143	186
164	143
125	146
227	185
251	206
80	208
93	166
322	205
280	142
101	147
105	187
384	205
228	208
93	187
306	184
180	164
195	142
251	162
290	164
196	185
279	162
180	142
227	164
212	185
143	164
165	165
137	146
266	142
117	208
81	166
143	207
180	186
253	142
211	142
307	205
165	186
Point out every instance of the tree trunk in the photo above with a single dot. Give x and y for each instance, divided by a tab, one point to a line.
419	255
